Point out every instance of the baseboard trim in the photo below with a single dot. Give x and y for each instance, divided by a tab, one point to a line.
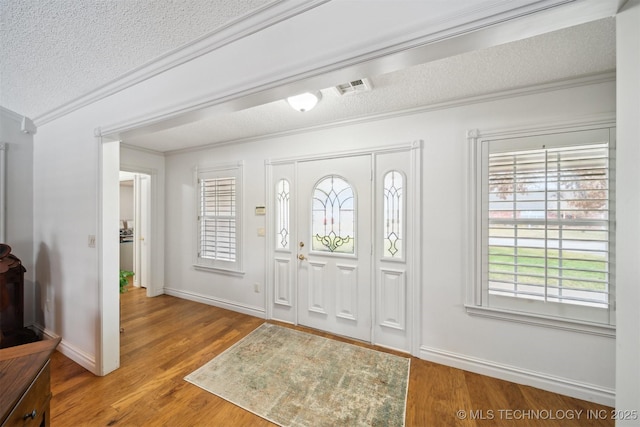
156	292
82	358
217	302
564	386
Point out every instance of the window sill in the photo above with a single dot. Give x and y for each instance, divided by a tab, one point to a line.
608	331
212	269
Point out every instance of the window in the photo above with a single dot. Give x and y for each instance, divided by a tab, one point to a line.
393	205
283	198
219	218
545	207
333	216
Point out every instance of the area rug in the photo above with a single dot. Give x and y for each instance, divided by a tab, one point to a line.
293	378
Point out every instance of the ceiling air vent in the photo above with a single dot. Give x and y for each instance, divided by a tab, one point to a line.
355	86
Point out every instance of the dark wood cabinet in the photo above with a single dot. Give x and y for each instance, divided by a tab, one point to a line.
12	331
25	384
12	300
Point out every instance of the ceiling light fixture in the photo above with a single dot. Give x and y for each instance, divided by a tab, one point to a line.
305	101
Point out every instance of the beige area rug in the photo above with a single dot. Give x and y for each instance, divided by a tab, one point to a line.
293	378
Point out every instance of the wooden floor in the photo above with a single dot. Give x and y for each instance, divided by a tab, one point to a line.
166	338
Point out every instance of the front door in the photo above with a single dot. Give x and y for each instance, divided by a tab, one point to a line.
334	245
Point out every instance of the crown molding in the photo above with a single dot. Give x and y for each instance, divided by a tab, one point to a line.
402	50
259	19
5	112
491	15
26	124
141	149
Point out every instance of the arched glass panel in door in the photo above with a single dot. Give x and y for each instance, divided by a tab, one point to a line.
333	216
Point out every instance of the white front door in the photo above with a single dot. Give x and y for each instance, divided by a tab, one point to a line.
334	217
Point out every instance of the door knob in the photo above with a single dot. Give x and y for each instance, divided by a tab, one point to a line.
302	257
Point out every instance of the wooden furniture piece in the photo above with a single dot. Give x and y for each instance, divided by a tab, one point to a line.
11	302
25	384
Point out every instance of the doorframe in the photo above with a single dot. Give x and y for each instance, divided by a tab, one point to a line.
414	220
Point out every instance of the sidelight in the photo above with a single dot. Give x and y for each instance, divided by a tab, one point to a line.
393	214
282	214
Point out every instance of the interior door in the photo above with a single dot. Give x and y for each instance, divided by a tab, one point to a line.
142	215
335	248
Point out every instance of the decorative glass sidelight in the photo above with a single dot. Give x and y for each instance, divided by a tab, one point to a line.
333	216
282	214
393	215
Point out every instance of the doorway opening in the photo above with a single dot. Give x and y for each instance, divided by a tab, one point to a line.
135	217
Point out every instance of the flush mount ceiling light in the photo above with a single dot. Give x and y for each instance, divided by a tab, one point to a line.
305	101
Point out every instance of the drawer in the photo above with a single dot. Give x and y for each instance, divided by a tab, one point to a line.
36	399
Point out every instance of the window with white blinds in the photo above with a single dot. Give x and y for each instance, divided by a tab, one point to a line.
218	218
548	234
547	212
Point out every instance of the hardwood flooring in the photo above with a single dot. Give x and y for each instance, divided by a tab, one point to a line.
166	338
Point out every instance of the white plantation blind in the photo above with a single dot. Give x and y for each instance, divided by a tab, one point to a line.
548	223
219	218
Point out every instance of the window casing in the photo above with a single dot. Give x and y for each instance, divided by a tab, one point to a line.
543	226
219	218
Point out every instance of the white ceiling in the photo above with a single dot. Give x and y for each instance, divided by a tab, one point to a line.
54	51
577	51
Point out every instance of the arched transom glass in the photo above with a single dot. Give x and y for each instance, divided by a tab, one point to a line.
282	214
333	216
393	214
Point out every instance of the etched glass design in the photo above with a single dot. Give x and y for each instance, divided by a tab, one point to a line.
282	214
393	215
333	216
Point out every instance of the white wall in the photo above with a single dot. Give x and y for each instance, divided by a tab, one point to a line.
66	199
19	203
126	201
574	363
628	213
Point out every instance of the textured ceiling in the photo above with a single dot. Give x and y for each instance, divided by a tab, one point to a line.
573	52
44	42
53	51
